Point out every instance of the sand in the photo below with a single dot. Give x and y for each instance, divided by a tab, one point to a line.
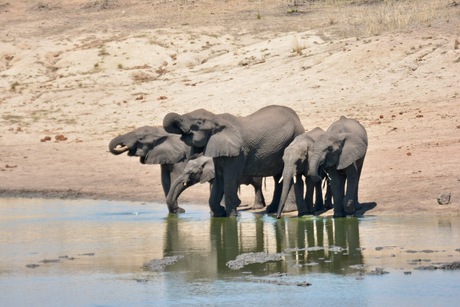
75	74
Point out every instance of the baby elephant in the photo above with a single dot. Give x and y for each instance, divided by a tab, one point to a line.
340	152
200	169
295	158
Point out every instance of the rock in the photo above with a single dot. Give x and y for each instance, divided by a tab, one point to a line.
443	266
32	266
60	137
378	271
159	265
249	258
444	199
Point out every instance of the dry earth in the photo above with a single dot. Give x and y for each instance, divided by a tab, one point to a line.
80	72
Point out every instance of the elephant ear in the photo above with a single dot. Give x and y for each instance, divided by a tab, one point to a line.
353	149
225	141
208	172
167	150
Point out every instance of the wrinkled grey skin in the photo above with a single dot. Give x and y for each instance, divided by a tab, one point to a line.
240	146
200	170
341	152
153	145
295	158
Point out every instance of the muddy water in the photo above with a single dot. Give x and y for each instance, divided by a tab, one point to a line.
86	253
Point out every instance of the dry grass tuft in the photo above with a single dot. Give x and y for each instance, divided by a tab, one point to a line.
140	76
297	47
374	17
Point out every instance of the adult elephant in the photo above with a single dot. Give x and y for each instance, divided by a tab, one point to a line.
240	146
200	169
340	152
296	157
153	145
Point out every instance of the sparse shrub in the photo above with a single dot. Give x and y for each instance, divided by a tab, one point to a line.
141	76
14	85
297	47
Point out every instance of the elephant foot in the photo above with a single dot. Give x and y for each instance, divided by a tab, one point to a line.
258	206
349	207
320	208
339	212
328	204
271	208
219	212
232	213
176	210
303	213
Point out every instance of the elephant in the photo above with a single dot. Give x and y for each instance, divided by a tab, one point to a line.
340	152
200	169
153	145
295	158
240	146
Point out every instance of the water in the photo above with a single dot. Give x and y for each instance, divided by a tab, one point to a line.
92	253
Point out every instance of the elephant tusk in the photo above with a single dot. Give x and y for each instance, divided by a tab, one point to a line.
327	175
293	178
120	148
281	179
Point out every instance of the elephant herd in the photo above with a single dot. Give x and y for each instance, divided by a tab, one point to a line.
228	151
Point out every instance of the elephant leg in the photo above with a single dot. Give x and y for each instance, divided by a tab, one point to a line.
273	207
359	167
337	187
217	192
314	188
328	195
232	200
349	200
291	202
308	201
259	200
166	184
302	205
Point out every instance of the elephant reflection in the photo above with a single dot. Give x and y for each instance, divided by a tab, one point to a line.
323	245
319	245
209	247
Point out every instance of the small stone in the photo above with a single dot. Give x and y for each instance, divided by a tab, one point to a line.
60	138
444	199
32	266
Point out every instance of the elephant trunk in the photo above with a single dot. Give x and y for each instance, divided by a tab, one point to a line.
117	146
174	123
288	175
177	187
313	167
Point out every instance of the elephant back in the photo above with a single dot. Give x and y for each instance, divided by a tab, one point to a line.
267	133
349	125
